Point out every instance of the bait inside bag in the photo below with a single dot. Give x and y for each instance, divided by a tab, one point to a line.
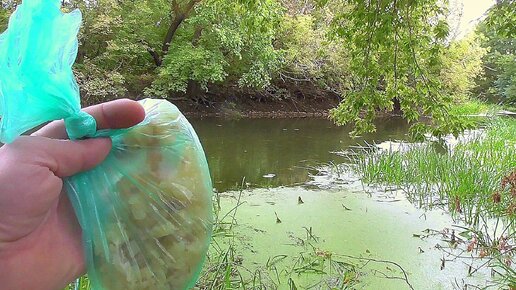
146	211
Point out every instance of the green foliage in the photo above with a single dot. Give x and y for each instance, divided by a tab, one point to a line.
395	55
223	41
506	81
473	107
188	63
309	55
374	54
499	33
501	18
181	44
464	177
461	64
96	83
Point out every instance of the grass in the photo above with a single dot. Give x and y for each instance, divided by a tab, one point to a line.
471	179
465	177
473	112
81	284
473	107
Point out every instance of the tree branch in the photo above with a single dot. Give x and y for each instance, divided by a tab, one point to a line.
197	35
175	7
155	56
179	16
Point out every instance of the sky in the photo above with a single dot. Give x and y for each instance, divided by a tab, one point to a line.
472	10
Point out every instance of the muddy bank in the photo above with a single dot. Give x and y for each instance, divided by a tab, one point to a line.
256	108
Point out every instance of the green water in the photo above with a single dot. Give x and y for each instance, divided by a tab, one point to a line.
374	234
381	228
287	148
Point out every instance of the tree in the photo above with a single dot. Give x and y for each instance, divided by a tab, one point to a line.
461	64
395	49
499	38
178	46
229	41
179	13
309	57
501	18
376	55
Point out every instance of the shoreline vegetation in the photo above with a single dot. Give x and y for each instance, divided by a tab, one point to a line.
473	178
351	58
313	109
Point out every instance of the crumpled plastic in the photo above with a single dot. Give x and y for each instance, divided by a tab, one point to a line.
146	211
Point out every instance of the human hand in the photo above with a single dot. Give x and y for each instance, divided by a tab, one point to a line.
40	237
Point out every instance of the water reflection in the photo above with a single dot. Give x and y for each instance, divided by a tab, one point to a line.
285	147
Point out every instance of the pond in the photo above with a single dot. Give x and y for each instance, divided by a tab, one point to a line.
282	150
287	232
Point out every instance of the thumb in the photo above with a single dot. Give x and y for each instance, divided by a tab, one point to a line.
64	157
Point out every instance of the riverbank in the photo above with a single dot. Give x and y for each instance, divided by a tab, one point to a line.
316	107
257	108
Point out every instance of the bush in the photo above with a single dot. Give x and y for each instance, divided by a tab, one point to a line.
98	85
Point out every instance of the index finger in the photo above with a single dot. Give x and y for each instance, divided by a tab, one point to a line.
116	114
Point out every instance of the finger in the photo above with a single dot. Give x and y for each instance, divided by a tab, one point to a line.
116	114
63	157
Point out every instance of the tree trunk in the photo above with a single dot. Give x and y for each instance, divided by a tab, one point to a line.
396	108
197	35
179	16
193	90
178	19
155	56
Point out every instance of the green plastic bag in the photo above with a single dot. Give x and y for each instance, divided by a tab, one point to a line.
146	211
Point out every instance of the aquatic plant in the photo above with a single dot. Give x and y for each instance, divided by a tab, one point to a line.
463	177
474	178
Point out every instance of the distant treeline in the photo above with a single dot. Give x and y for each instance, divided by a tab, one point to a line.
375	55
